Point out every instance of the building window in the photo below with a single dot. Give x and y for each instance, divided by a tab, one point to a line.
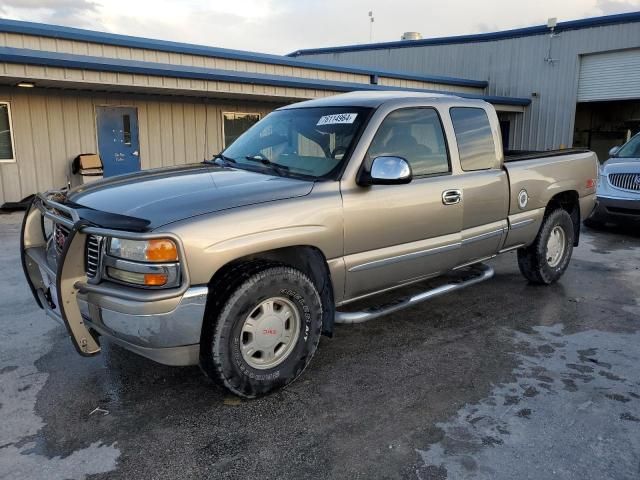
475	139
235	124
6	134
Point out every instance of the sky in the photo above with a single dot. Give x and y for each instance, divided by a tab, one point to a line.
283	26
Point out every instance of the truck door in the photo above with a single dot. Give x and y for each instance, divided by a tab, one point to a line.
483	182
394	234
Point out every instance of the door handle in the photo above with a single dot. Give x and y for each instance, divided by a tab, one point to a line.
451	197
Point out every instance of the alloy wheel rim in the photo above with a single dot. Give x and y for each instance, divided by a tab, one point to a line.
269	333
556	245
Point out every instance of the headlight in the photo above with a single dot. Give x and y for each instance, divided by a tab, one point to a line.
146	263
157	250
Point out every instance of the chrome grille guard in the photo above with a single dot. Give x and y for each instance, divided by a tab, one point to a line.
70	277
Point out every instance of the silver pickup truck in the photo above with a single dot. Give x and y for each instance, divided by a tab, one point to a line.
240	263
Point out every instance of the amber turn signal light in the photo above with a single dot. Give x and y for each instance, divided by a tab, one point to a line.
155	279
161	250
146	279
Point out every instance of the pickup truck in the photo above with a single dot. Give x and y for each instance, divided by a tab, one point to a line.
240	263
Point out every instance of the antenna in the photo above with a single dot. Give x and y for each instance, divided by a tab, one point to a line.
371	19
552	22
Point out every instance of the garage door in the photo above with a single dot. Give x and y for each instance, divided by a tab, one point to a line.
610	76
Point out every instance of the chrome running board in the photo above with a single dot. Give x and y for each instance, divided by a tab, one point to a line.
477	273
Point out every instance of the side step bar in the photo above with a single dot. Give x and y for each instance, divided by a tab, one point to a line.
478	273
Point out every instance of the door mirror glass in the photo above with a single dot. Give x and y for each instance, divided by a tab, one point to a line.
387	171
614	151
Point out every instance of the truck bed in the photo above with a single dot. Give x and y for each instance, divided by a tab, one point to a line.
518	155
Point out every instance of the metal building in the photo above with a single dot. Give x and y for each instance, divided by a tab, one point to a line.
582	76
143	103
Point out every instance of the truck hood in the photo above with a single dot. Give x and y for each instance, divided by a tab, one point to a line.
621	165
167	195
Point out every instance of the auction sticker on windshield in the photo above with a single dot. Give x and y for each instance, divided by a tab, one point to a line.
337	118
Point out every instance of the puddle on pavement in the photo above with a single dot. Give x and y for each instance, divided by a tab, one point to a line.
26	338
574	396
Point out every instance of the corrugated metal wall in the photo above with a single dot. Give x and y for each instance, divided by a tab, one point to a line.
59	45
129	53
51	127
610	76
513	67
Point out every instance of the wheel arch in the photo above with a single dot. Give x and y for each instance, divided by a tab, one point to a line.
568	200
308	259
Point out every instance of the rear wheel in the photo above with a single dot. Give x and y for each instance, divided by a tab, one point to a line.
265	332
547	258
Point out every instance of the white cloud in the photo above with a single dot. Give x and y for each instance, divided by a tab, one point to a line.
281	26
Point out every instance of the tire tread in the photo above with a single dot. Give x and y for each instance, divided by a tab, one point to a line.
532	259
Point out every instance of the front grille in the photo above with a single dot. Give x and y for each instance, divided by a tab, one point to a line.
92	256
627	181
60	234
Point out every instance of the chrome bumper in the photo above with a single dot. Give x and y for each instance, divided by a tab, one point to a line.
162	325
170	337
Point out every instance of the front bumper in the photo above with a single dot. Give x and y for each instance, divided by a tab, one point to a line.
170	337
612	208
164	326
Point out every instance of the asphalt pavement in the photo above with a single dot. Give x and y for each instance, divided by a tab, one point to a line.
503	380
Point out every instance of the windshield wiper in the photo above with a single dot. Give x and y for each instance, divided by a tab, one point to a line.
220	156
276	167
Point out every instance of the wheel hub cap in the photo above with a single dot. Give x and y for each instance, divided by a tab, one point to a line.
555	246
269	333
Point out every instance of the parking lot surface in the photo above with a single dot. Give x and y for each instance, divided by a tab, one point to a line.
503	380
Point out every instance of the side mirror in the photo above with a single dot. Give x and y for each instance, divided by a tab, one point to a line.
614	151
386	171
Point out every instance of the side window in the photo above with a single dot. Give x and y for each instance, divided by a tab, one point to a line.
416	135
475	140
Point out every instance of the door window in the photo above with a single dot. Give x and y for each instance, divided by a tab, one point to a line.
416	135
126	129
475	139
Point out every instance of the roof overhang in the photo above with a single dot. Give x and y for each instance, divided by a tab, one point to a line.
204	81
77	34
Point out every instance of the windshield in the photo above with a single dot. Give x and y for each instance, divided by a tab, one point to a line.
307	142
631	149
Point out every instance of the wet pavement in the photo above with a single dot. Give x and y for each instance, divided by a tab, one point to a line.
503	380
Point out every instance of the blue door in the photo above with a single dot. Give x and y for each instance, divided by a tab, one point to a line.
118	139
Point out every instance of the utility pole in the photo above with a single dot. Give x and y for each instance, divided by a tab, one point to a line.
371	26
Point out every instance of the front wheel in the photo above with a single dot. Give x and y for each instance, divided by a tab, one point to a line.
546	259
265	333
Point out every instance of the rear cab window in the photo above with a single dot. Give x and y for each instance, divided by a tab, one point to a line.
476	145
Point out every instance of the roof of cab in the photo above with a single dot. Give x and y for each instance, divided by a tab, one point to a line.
373	99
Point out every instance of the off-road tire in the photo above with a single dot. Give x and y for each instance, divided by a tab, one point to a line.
220	354
532	260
